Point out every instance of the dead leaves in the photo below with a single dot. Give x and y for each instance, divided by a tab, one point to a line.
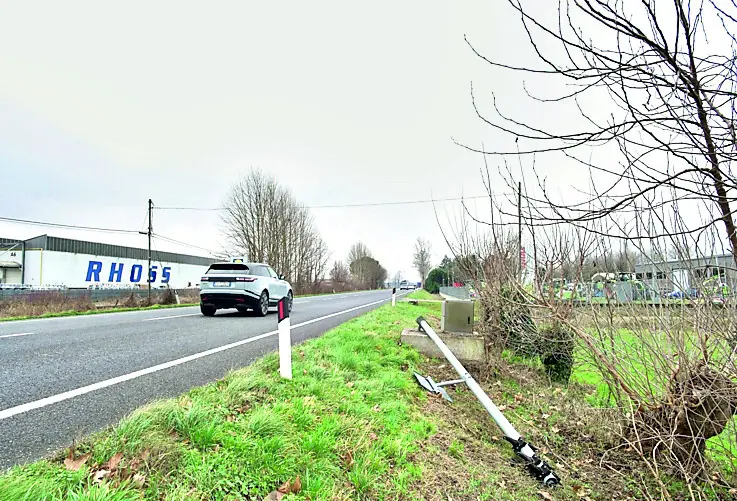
139	480
99	476
113	470
287	487
546	495
73	464
581	492
114	461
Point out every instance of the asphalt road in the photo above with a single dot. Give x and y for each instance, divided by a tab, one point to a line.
63	378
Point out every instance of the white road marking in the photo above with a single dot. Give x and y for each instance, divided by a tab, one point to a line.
170	316
16	335
60	397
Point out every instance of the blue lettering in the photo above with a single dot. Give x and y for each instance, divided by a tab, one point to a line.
116	273
136	272
94	268
165	274
152	274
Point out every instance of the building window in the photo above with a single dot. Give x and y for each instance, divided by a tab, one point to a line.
661	275
649	275
639	276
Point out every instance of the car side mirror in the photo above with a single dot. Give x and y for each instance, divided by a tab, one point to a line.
281	277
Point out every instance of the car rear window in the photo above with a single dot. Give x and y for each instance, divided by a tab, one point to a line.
227	269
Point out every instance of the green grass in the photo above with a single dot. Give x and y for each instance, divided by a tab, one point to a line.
75	313
352	424
348	424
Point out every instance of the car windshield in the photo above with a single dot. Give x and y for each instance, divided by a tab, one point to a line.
227	269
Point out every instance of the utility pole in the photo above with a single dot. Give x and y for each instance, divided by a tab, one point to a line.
150	231
519	228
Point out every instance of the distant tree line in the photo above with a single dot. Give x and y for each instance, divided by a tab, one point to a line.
363	271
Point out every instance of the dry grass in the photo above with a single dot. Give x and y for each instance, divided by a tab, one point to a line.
468	460
42	303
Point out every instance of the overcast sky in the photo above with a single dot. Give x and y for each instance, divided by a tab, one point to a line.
103	107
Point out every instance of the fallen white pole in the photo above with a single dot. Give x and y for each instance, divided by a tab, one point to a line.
285	339
535	465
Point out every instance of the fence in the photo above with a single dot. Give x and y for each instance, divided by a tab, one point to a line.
455	293
94	295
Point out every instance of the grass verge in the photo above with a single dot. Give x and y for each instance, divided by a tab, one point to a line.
352	424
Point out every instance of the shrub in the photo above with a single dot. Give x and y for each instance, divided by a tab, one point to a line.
168	297
435	280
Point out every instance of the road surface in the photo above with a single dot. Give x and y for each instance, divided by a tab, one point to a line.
63	378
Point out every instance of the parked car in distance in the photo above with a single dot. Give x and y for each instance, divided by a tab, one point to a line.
242	286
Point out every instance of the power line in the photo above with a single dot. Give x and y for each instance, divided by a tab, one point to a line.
179	242
68	226
369	204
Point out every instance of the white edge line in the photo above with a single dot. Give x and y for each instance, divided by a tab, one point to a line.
16	335
170	316
60	397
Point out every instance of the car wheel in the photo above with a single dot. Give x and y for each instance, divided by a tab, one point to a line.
263	304
290	300
208	311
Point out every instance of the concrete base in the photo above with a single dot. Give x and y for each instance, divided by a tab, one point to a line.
467	347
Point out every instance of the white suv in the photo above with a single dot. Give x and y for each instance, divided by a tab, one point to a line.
242	286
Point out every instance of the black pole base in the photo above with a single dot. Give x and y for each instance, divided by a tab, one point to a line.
536	466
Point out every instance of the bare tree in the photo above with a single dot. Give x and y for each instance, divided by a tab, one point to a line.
358	262
421	259
368	272
669	77
340	275
653	85
264	222
358	250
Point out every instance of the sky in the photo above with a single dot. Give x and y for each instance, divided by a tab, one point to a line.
104	106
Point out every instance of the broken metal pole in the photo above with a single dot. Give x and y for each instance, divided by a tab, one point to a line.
536	466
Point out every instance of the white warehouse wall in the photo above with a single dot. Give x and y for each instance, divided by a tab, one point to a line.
82	270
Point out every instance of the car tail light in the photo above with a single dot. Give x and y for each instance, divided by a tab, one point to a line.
204	279
245	279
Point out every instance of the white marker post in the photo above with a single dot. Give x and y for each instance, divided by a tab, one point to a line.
394	296
285	340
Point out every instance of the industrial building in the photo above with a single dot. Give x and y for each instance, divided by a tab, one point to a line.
47	261
688	274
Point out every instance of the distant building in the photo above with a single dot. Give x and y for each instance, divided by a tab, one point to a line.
52	261
684	275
